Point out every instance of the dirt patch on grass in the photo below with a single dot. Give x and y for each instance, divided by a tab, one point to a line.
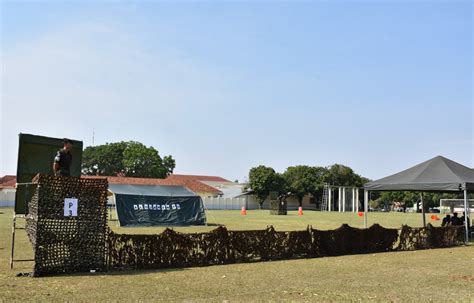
463	278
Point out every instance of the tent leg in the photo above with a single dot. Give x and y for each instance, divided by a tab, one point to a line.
366	206
466	214
423	210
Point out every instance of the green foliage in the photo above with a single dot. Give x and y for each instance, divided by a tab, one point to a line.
103	160
302	180
341	175
410	198
263	180
133	159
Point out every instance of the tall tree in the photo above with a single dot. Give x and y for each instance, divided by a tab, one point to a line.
302	180
263	180
341	175
131	158
103	160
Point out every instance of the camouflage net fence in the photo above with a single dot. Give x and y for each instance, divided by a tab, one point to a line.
82	242
222	246
65	244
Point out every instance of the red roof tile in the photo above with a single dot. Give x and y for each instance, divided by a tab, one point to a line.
190	181
197	178
195	186
8	181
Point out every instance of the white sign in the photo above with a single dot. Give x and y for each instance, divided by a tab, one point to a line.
70	207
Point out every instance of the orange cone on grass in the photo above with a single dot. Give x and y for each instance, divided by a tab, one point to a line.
300	211
243	212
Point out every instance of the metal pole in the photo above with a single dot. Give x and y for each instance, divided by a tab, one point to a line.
339	197
366	206
13	240
423	210
12	255
466	214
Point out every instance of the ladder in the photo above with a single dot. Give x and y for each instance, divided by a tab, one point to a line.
324	203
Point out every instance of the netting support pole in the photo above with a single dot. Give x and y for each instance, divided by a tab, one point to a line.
13	240
466	214
366	206
12	254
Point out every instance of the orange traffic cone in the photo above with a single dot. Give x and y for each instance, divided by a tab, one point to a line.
300	211
243	212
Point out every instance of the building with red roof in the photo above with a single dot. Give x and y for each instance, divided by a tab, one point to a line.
196	183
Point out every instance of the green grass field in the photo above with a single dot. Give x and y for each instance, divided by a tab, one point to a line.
429	275
260	219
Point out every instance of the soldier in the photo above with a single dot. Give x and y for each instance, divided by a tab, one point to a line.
446	221
63	159
455	220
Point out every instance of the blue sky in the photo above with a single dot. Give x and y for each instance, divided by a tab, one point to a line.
225	86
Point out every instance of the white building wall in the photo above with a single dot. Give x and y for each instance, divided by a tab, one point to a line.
250	202
7	197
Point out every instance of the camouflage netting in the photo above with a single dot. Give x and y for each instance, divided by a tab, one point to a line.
430	237
278	207
221	246
67	244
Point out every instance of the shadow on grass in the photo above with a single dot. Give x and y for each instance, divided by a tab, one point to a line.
214	224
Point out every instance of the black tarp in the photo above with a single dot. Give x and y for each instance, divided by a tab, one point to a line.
36	155
435	175
156	205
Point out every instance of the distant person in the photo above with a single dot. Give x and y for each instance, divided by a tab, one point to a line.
63	159
446	221
455	220
463	220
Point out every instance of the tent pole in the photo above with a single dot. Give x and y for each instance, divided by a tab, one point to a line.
423	210
366	206
466	214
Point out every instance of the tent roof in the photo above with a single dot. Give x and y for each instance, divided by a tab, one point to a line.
437	174
151	190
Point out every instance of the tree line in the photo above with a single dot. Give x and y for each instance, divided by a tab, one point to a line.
300	180
134	159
